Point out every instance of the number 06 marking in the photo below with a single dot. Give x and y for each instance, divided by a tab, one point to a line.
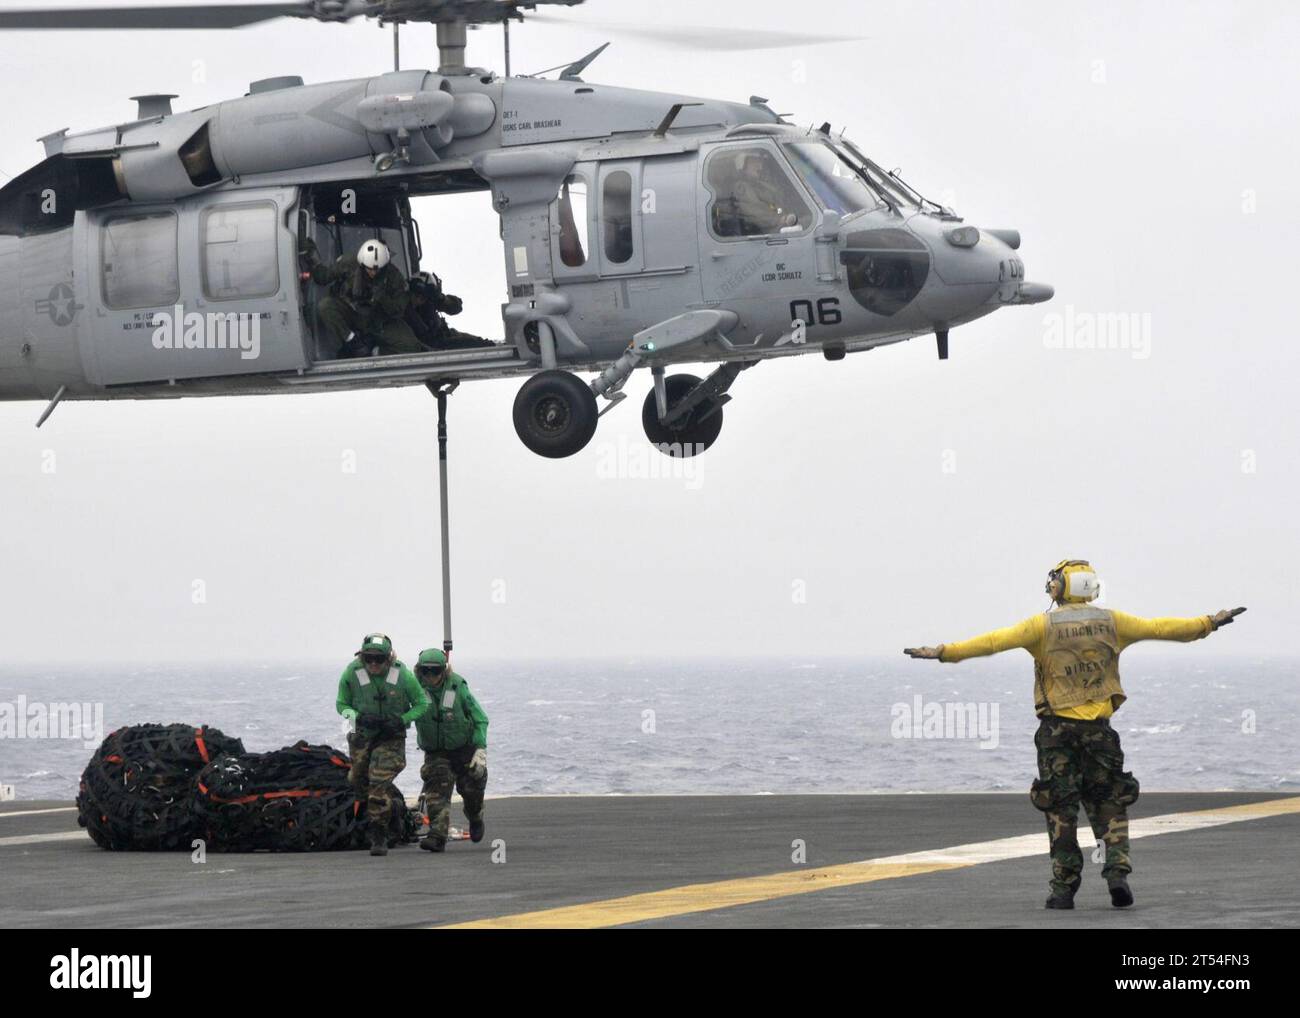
825	312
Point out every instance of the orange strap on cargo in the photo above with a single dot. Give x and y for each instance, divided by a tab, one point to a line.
300	793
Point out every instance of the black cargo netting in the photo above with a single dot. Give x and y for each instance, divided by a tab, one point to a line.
161	787
137	790
292	800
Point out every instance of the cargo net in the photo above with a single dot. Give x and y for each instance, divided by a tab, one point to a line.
291	800
137	791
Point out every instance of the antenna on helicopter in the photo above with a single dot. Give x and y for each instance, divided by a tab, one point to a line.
570	71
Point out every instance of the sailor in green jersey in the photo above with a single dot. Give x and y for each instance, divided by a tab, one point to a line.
381	697
453	735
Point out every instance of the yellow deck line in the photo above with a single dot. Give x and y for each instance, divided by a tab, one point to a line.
707	897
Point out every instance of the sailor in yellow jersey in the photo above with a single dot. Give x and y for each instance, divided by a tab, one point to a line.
1076	647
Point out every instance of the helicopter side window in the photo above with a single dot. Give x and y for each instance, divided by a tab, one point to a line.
240	260
752	195
138	259
616	214
573	222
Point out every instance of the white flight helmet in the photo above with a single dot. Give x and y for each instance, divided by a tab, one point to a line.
374	254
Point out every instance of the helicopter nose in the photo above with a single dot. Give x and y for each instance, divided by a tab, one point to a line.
1013	288
980	270
999	250
970	266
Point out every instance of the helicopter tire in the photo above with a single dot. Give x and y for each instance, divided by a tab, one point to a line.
555	414
692	436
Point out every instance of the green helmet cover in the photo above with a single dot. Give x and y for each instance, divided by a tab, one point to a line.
376	643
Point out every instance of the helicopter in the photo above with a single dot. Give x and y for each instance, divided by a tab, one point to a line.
162	257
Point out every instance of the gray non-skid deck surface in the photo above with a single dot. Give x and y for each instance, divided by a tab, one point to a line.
566	851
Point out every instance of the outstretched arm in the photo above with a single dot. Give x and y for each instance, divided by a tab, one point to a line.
326	275
1024	635
1132	629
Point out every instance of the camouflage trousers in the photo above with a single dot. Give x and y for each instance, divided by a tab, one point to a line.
444	770
375	765
1080	763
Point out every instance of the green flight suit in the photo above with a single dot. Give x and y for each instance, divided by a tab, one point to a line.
377	759
450	733
375	309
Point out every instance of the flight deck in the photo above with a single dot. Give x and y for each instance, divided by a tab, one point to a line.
1201	859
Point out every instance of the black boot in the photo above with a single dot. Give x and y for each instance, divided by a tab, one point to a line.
433	843
1064	899
1120	895
476	830
378	841
356	346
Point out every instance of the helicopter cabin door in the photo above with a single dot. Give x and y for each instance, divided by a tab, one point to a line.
204	288
757	243
623	244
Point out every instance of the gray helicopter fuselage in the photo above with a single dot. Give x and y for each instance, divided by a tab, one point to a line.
620	211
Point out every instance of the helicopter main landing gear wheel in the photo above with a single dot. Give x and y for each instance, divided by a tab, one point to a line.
692	434
555	414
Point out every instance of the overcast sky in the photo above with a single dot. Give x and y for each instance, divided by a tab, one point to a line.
1147	153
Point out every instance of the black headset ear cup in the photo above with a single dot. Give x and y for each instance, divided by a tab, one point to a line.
1058	574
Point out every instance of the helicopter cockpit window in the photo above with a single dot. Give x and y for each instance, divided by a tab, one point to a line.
616	213
573	222
890	186
139	261
239	252
752	195
831	178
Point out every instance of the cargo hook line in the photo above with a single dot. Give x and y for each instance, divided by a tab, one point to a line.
441	390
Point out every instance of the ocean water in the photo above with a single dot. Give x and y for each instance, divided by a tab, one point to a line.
655	726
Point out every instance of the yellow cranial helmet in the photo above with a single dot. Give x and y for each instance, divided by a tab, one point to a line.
1078	581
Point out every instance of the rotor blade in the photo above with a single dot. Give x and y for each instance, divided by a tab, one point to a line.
211	16
701	37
